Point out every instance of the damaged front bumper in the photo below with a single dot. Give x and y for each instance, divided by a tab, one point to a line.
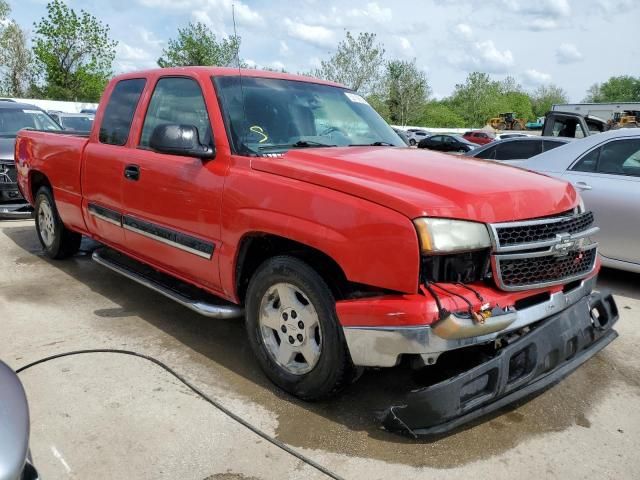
552	349
372	346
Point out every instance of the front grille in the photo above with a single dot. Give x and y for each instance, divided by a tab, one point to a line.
543	252
541	230
8	173
532	271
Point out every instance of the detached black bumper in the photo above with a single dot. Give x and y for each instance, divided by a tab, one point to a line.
555	348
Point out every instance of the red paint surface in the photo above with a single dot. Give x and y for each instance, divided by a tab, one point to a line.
356	204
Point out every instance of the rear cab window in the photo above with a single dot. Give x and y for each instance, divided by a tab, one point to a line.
519	150
118	116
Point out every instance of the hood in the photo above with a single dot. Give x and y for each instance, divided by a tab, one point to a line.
425	183
6	149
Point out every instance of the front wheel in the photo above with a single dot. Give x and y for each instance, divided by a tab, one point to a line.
294	331
57	241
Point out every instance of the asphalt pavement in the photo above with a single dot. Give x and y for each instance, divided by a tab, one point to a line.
112	416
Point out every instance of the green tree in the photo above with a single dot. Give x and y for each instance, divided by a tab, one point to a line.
440	115
518	102
357	63
15	57
545	96
406	91
197	45
74	52
477	99
379	104
624	88
16	61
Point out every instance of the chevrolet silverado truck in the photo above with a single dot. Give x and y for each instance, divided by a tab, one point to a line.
289	202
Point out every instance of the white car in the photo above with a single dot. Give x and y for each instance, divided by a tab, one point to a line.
503	136
605	169
415	135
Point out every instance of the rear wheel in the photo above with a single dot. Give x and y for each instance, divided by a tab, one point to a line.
57	241
294	331
412	142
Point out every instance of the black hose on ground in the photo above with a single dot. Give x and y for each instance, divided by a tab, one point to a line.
215	403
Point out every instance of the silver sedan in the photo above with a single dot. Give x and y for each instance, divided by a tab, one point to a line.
605	169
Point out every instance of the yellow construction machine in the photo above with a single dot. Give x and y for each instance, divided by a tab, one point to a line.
507	121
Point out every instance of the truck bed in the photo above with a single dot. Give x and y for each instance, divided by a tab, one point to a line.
57	155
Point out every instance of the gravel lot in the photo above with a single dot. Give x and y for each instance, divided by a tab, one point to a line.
110	416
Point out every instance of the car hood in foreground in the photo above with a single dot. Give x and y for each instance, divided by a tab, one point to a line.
14	422
426	183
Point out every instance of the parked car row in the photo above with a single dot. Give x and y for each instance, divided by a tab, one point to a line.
447	143
76	122
15	116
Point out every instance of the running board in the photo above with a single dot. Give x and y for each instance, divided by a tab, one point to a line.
185	294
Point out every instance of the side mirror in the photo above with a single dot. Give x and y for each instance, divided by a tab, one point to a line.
175	139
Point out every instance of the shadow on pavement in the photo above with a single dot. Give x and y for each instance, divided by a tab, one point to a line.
347	424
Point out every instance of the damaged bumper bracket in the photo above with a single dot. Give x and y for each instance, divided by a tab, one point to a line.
551	351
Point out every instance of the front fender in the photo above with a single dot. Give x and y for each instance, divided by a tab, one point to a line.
372	244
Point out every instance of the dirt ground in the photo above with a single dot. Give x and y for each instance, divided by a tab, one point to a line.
110	416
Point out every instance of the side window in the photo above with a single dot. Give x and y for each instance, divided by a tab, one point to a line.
437	138
489	153
118	115
588	163
519	150
620	157
177	100
551	144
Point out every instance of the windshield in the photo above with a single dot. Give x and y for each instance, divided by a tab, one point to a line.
282	114
14	119
79	124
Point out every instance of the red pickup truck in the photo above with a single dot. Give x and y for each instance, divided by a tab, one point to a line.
288	201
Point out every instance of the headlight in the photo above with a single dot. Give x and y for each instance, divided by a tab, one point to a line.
439	235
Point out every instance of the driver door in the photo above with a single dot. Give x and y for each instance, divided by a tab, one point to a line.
172	202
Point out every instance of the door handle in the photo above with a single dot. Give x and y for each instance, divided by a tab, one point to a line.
583	186
132	172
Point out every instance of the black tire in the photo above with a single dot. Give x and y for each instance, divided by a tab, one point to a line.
334	368
57	242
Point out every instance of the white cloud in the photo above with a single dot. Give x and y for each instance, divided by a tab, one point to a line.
547	8
277	65
490	58
211	12
534	77
539	24
313	34
568	53
464	30
373	11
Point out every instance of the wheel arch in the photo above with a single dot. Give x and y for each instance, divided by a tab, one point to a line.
256	247
37	179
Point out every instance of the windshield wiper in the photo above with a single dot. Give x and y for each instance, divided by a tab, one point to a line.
298	144
374	144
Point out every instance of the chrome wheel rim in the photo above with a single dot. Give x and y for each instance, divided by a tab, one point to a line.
290	328
46	223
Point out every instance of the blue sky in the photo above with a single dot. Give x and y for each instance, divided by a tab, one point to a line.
571	43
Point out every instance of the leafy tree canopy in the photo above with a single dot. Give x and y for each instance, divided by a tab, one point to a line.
197	45
74	53
357	63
